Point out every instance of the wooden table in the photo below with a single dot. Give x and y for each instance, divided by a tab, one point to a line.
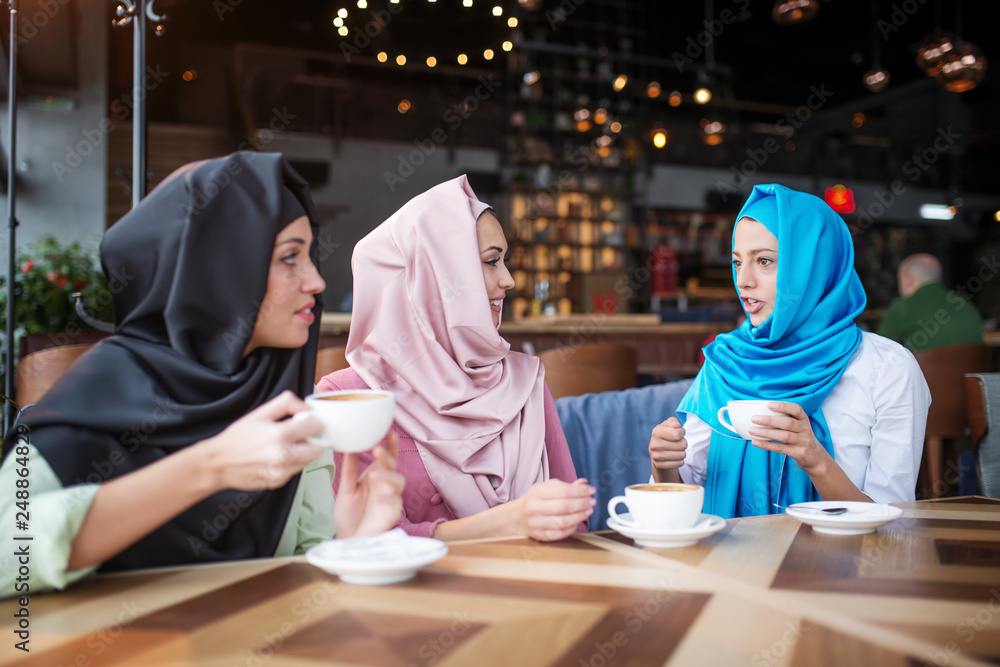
763	591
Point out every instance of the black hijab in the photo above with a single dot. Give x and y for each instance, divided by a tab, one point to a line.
187	270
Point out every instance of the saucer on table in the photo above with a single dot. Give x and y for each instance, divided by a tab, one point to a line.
860	518
707	524
388	558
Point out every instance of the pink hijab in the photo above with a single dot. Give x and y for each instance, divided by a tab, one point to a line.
422	328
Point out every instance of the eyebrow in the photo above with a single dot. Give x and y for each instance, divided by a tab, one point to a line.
758	251
292	240
492	247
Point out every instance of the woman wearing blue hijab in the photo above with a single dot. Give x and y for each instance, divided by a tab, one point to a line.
854	404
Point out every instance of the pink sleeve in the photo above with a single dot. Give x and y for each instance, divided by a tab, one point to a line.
560	462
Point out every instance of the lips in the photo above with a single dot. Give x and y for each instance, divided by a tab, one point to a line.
496	305
306	312
751	305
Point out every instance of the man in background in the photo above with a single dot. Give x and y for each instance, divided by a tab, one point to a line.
927	315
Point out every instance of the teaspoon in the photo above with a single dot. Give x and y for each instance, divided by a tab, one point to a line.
832	511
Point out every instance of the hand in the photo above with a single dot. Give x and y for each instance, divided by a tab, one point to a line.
793	436
372	503
259	450
553	509
667	448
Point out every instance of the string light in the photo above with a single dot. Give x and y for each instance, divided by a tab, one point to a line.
462	58
488	54
362	4
466	3
342	13
507	46
703	96
620	82
342	31
498	11
659	138
512	22
432	61
674	99
615	127
400	60
382	56
653	90
339	22
403	106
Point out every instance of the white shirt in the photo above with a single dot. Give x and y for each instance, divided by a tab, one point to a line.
877	414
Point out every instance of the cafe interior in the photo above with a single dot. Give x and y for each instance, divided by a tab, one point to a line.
616	142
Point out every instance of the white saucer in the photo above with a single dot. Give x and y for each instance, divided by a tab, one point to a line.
706	525
383	559
860	518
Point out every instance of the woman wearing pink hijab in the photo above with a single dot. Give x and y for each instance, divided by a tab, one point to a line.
480	442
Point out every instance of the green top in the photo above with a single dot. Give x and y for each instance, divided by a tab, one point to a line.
932	317
55	514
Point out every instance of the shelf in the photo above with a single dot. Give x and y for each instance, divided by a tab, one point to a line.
574	244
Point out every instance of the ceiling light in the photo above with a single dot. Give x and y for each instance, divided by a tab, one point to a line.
660	138
932	50
712	132
936	212
582	125
790	12
674	99
581	114
615	127
703	96
601	116
876	80
653	89
620	82
403	106
962	68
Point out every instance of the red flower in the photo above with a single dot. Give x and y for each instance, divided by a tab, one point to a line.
52	277
27	266
80	283
62	281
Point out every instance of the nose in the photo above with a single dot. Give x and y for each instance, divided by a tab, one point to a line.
744	277
312	281
506	280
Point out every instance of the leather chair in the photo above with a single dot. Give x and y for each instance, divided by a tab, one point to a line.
944	368
328	360
982	399
39	370
589	369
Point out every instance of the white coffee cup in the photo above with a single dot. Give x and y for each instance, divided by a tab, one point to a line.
741	414
354	420
666	506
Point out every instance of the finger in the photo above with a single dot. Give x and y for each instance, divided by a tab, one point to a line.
302	453
664	457
392	444
778	447
555	489
300	428
382	458
792	409
669	433
349	474
559	508
783	423
673	422
282	405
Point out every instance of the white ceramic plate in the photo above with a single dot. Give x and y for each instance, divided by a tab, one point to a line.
706	525
860	518
383	559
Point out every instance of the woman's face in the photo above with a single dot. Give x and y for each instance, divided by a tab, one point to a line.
755	258
292	285
492	248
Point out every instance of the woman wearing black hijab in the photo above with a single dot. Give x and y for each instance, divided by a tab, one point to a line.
167	443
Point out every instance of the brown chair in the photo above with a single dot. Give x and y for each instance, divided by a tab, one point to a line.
38	371
944	368
589	369
328	360
982	398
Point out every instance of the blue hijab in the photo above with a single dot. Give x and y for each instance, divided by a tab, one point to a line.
797	355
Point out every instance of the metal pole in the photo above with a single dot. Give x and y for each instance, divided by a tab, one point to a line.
8	407
139	102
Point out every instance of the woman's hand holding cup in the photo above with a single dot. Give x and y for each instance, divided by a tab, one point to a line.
667	448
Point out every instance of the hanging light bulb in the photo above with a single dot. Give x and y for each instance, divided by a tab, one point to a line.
876	79
712	131
703	96
653	90
620	82
962	68
675	99
931	51
790	12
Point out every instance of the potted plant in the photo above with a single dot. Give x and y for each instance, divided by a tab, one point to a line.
49	273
